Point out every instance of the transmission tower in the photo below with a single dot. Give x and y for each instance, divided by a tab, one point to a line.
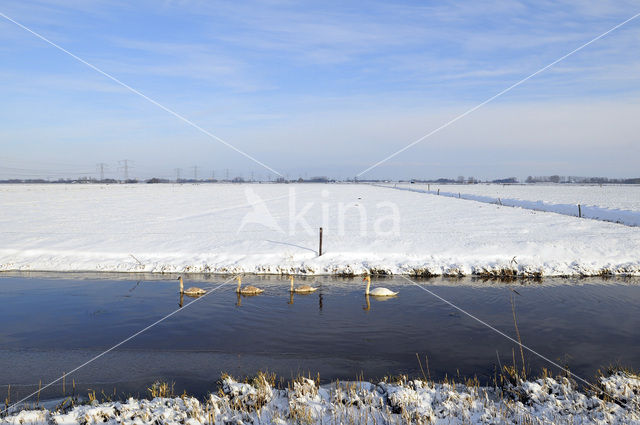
101	166
178	172
126	166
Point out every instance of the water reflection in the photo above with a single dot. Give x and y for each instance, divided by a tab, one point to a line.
367	298
185	294
292	295
589	323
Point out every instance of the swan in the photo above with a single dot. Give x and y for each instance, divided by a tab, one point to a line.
302	289
191	291
377	292
247	290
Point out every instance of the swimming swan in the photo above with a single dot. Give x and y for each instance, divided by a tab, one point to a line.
302	289
247	290
191	291
377	292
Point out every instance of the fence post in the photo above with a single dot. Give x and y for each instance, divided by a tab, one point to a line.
320	246
438	191
579	211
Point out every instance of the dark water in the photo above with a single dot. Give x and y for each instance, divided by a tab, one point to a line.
51	324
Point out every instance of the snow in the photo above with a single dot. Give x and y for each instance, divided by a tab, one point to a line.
618	204
543	401
273	228
624	197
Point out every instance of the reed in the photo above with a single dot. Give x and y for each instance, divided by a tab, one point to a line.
515	323
160	389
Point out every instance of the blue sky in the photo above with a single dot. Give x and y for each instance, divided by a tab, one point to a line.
320	88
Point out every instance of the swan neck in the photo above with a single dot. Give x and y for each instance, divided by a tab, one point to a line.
368	285
291	284
238	287
181	285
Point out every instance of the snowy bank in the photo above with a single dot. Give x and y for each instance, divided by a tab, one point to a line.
542	401
273	229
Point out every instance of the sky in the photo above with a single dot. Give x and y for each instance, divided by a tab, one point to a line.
319	88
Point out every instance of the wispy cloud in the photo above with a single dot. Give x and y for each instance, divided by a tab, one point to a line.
342	81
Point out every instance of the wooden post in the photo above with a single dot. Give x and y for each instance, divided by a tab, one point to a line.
428	188
438	191
458	195
320	246
579	211
499	201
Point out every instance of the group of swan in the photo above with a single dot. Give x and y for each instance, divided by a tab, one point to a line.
302	289
252	290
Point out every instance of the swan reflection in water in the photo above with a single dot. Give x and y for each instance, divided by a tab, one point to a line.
182	294
241	295
378	299
303	290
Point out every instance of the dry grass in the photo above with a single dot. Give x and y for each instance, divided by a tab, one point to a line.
161	389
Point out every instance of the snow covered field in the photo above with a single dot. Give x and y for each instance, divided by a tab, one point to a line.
269	228
625	197
543	401
617	204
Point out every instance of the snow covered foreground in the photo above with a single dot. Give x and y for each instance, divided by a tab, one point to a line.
273	228
540	402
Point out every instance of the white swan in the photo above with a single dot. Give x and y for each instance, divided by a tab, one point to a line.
191	291
302	289
247	290
377	292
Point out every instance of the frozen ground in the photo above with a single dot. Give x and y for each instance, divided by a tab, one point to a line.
545	401
268	228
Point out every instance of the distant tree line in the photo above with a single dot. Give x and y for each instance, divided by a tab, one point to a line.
582	180
323	179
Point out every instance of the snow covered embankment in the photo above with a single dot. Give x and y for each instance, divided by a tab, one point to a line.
543	401
626	217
